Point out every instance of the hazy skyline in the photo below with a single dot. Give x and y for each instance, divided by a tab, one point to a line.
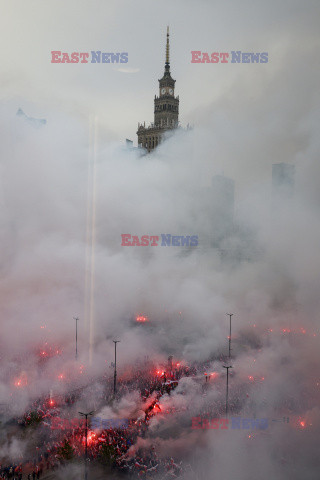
210	94
65	201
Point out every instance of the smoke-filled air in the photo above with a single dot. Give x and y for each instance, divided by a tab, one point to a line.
159	296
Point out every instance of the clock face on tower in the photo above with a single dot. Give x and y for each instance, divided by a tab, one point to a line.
171	91
163	91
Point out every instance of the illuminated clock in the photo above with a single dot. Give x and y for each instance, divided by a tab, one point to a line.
163	90
171	91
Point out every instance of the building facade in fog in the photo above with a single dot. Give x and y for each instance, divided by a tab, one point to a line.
166	110
283	175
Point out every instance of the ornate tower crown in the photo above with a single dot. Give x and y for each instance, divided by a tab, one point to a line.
166	110
167	80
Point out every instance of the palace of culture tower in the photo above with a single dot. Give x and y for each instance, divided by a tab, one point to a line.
166	110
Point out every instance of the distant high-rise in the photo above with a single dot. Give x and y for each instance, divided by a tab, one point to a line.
283	179
166	110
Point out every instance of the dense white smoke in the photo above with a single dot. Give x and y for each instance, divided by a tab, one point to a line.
264	271
69	190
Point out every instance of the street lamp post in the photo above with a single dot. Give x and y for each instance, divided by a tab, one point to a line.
115	367
230	315
227	390
76	319
86	445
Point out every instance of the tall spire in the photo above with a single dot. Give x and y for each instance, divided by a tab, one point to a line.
167	65
167	48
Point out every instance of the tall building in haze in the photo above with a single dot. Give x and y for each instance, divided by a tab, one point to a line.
166	110
283	176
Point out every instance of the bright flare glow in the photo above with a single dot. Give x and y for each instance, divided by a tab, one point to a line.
142	319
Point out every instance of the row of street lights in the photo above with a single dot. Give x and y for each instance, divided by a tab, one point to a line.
227	367
115	356
86	415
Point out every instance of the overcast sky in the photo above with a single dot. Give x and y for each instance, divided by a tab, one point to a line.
122	95
246	117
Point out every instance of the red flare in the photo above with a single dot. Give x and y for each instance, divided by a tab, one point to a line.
142	319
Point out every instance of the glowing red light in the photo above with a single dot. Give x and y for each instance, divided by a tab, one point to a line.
303	424
20	382
91	438
251	378
142	318
61	376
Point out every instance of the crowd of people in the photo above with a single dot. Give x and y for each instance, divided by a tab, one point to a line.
117	449
17	472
